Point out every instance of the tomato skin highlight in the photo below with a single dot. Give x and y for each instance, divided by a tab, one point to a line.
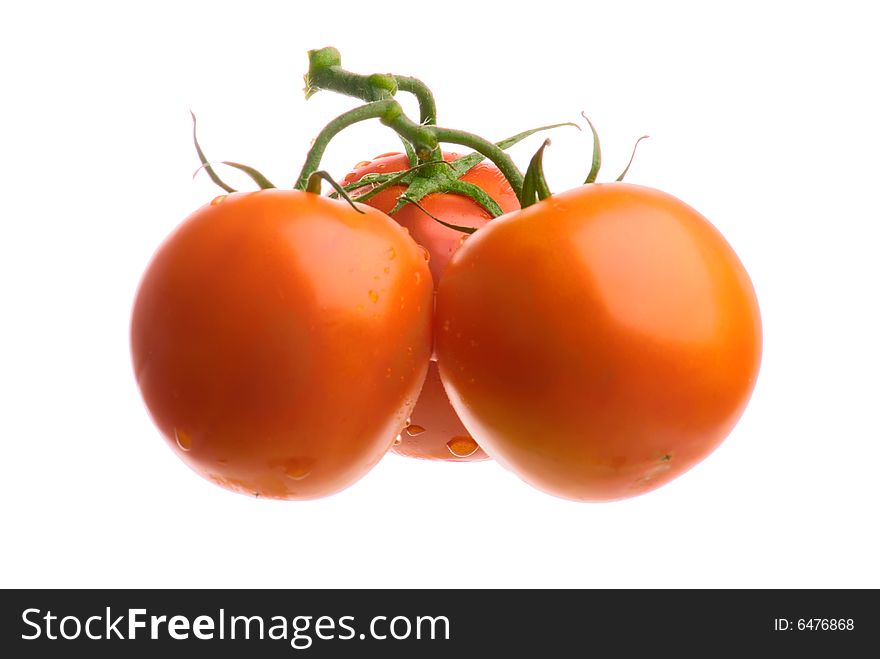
598	343
280	340
433	414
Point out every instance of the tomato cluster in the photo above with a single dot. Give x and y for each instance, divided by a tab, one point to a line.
597	343
436	433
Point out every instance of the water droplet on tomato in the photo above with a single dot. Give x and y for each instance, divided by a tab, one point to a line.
425	253
184	441
392	254
362	163
388	372
445	325
463	238
418	277
218	200
374	296
398	440
298	468
461	446
414	431
386	269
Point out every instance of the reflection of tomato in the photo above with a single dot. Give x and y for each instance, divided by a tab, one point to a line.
600	342
280	340
434	420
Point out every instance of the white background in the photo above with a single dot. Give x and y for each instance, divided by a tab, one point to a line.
762	115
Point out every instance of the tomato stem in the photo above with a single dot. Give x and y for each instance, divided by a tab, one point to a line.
492	151
427	106
425	140
326	72
374	110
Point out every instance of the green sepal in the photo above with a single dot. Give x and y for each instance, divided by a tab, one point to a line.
385	181
314	187
397	179
476	193
255	175
631	157
534	184
417	189
205	164
462	165
410	153
456	227
597	153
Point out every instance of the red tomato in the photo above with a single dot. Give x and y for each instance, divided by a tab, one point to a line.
438	433
280	339
441	242
598	343
435	431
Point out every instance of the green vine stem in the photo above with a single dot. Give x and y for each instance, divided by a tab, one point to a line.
374	110
326	72
427	107
425	140
492	151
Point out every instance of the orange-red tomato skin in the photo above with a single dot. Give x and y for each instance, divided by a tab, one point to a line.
433	425
598	343
280	340
441	242
434	417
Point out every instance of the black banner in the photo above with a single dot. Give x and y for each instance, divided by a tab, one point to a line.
437	623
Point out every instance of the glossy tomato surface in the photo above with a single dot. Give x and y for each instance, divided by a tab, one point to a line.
280	339
435	432
598	343
438	434
441	242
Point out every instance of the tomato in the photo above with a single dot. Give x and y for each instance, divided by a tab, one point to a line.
280	339
436	432
440	241
600	342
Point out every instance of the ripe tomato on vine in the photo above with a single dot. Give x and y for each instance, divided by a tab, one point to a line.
598	342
